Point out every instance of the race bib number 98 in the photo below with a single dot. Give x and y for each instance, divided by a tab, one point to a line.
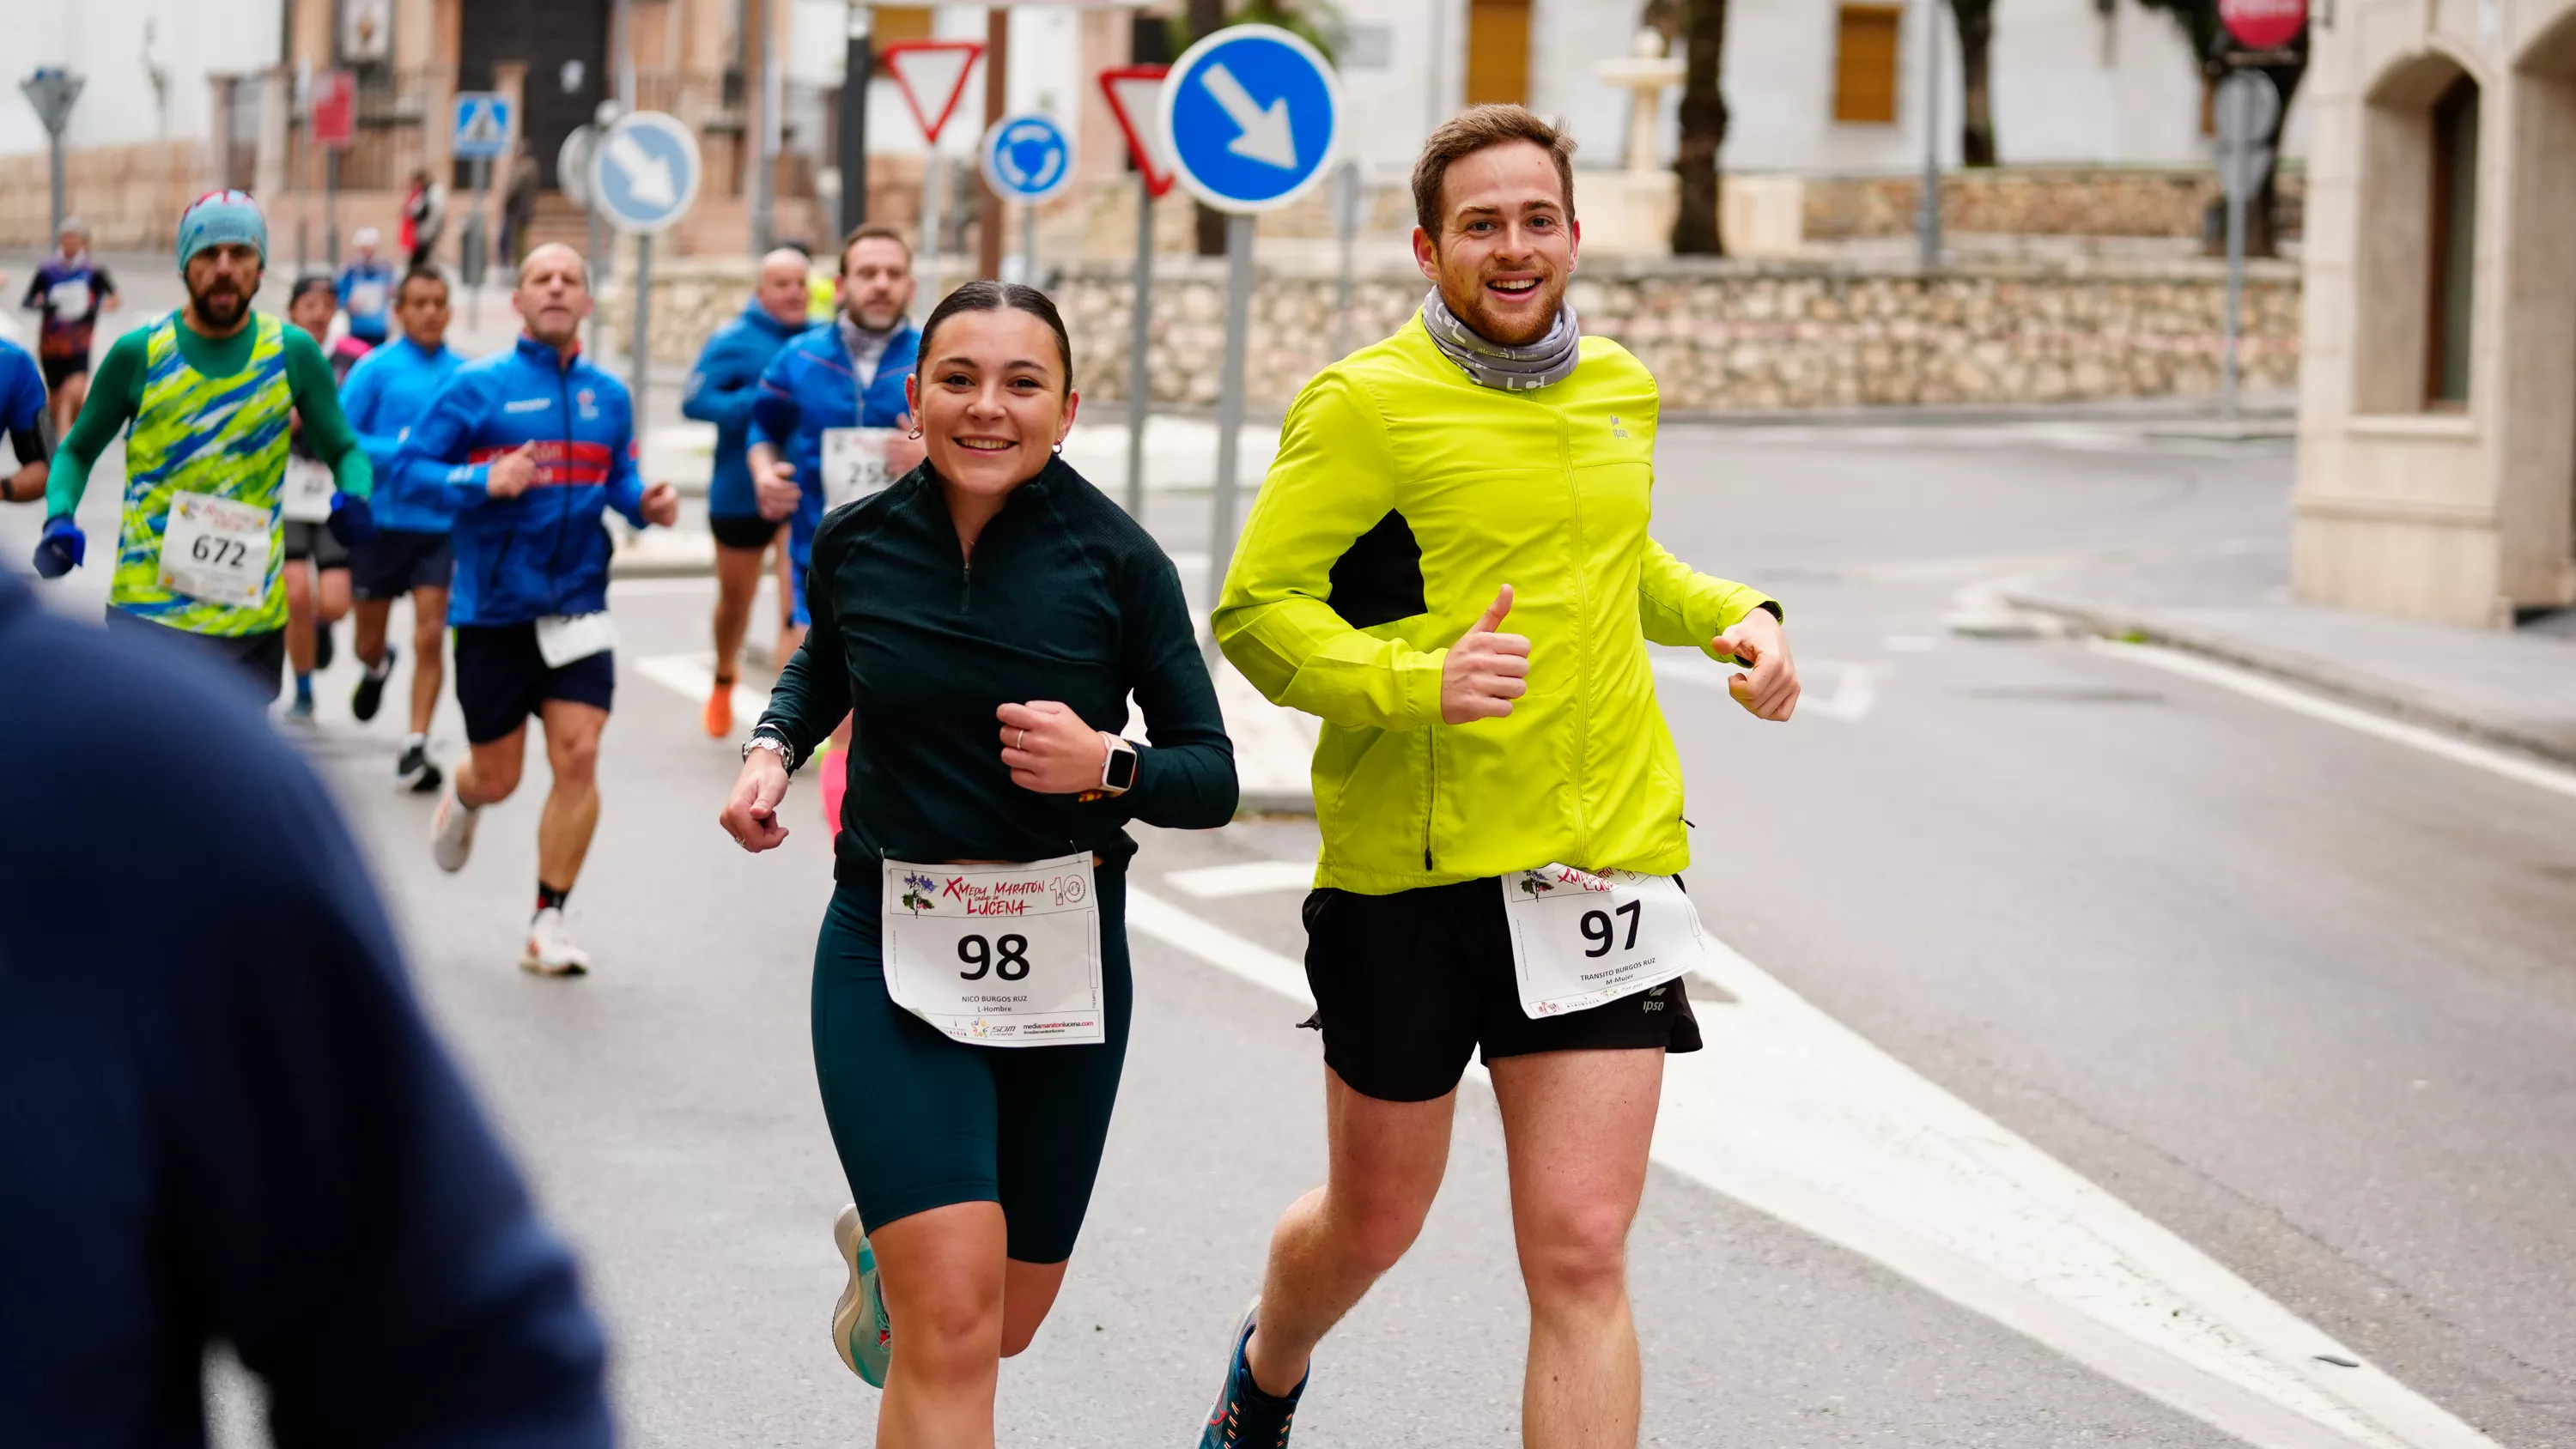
1581	940
997	955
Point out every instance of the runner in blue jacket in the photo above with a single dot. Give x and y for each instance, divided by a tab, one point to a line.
530	447
410	554
720	391
847	375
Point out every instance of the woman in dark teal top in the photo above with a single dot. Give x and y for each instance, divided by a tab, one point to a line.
983	622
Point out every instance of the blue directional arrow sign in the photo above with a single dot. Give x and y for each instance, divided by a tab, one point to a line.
644	173
482	125
1250	115
1027	157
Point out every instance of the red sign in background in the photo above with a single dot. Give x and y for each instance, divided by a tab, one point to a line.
2263	24
335	108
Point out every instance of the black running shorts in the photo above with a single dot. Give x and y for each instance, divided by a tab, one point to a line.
1408	986
745	532
315	541
391	562
501	679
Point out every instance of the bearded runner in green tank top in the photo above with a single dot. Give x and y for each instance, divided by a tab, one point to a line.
210	419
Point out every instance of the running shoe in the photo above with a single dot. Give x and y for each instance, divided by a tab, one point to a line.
720	710
451	832
1245	1417
416	771
550	951
370	693
861	1332
300	711
323	649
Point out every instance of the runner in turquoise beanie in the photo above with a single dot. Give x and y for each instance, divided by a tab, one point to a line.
219	217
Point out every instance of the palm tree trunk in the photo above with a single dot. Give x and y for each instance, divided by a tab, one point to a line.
1976	121
1695	230
1206	18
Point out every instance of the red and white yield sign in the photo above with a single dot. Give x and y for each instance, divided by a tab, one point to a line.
1135	95
2263	24
932	75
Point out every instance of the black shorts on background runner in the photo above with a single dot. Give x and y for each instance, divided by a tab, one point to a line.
502	679
259	659
391	562
315	541
744	532
60	370
1408	986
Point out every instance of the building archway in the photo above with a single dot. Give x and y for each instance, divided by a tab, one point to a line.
2416	255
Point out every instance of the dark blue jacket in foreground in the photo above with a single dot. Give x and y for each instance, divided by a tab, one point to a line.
221	1114
545	551
720	391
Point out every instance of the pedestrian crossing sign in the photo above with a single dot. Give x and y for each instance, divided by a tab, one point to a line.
482	129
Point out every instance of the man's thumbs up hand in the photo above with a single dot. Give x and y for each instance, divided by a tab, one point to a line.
1485	670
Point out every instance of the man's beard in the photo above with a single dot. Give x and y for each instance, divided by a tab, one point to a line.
1476	310
219	306
880	321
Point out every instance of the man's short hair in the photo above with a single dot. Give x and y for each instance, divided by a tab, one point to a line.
873	231
520	277
423	273
1471	131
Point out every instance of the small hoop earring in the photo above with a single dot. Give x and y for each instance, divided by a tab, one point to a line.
1059	449
915	433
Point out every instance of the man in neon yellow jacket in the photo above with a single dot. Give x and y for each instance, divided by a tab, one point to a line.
1501	811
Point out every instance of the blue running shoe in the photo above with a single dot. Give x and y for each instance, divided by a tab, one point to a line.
860	1330
1246	1417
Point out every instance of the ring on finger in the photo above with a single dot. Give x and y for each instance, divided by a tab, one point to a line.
1022	743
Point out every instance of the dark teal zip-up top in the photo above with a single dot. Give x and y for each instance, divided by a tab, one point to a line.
1066	599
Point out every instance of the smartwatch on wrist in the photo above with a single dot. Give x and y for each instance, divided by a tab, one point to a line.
1118	769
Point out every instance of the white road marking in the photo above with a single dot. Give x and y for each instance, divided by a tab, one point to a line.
693	677
646	588
2255	686
1246	878
1795	1115
1854	692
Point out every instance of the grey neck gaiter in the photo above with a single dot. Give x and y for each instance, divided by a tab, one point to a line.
866	349
1551	359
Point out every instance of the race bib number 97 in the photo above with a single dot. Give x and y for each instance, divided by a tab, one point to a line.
1581	940
997	955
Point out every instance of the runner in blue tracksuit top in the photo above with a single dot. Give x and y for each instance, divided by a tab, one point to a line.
530	447
409	554
847	375
720	391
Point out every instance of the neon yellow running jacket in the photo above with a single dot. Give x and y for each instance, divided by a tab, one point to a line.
1403	498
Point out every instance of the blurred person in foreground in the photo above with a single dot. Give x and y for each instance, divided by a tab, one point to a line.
721	390
224	1117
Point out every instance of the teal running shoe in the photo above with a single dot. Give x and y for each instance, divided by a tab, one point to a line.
861	1333
1246	1416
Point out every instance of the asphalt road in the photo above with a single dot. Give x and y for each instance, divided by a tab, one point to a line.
2304	997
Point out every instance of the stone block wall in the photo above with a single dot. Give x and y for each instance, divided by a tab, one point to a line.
2037	201
1720	336
129	196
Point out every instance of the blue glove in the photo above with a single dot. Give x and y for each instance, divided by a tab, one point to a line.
59	551
352	521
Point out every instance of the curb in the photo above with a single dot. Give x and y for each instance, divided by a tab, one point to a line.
2556	744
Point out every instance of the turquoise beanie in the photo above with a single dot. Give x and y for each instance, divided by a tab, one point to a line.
218	218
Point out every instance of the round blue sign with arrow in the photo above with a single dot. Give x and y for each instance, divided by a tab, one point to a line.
1250	115
644	173
1027	157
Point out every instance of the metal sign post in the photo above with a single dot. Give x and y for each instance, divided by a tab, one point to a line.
1135	98
53	92
1028	159
1927	221
335	129
932	76
644	178
2248	105
572	177
481	131
1348	197
1249	116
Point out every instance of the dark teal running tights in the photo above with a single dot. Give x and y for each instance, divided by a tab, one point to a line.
922	1121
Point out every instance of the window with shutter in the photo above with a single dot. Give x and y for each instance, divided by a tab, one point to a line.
1865	64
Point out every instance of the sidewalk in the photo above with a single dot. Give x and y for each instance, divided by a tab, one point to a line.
2515	688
